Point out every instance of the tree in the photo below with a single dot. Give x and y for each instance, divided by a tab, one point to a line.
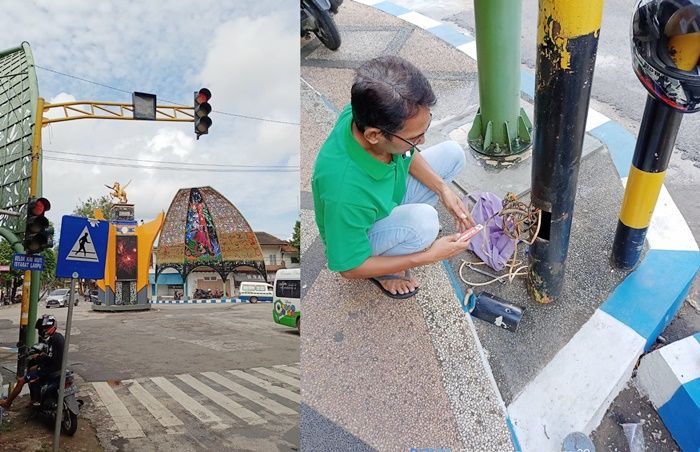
296	235
11	280
48	276
87	208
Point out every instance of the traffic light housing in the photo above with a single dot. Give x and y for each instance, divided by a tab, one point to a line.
38	234
202	108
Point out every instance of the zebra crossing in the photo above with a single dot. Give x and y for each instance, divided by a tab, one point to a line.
215	401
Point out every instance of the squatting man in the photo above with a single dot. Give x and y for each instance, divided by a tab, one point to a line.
375	190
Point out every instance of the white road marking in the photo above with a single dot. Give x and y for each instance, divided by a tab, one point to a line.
287	394
553	398
277	376
419	20
157	409
229	405
186	401
125	423
254	396
595	119
469	48
290	369
668	229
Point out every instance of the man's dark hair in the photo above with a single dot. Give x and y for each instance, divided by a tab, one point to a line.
386	92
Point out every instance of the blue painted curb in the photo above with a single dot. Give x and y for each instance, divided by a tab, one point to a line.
205	301
649	297
682	416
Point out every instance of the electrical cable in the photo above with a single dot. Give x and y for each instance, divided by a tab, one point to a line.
170	168
163	162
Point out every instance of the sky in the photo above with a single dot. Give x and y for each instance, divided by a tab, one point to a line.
245	52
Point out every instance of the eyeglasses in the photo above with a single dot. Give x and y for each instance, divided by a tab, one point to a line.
410	143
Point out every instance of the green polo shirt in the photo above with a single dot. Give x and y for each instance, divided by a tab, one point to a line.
353	190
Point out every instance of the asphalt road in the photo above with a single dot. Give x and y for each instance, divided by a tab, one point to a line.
223	377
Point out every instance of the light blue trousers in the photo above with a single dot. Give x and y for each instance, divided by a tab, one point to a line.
413	226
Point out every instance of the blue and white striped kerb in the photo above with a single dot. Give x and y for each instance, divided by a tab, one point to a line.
205	301
599	359
670	377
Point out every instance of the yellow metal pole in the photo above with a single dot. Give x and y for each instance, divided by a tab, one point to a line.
36	146
29	303
35	189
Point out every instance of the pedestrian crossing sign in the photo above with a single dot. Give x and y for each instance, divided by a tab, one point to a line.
82	248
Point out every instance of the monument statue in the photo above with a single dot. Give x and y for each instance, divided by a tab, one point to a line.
118	192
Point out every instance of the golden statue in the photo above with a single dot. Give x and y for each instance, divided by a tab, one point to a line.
118	192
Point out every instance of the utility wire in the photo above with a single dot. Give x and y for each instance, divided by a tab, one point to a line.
171	168
164	100
217	165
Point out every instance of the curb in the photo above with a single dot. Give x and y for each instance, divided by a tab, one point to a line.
670	377
205	301
625	326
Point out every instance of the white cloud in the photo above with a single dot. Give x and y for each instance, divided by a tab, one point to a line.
244	52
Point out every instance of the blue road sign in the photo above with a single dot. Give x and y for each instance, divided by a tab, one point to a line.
24	262
82	248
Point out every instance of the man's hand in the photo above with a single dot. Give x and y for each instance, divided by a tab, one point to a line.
446	247
454	205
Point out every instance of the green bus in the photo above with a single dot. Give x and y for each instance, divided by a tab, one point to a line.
286	308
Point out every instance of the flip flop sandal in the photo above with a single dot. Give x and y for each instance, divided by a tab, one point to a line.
396	296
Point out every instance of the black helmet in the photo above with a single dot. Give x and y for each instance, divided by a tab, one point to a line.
39	326
665	42
49	324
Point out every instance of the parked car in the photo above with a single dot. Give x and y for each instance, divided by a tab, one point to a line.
59	298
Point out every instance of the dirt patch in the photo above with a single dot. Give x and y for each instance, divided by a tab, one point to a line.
21	432
631	407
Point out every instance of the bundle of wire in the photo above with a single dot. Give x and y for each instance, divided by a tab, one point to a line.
521	223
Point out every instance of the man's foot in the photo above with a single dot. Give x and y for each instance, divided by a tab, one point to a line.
400	285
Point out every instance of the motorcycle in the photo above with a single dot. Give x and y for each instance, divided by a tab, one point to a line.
317	18
48	396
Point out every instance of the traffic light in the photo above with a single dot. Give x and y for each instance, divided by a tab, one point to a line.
202	108
38	235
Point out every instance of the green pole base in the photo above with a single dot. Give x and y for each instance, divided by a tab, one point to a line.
481	137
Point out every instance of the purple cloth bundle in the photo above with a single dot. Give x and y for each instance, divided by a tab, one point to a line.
492	245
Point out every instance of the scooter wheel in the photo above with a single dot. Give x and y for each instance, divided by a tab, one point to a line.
69	423
327	32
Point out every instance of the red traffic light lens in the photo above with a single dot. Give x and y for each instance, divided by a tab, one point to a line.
39	206
203	95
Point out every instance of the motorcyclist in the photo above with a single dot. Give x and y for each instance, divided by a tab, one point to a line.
44	364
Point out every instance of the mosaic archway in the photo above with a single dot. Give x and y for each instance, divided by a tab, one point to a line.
204	229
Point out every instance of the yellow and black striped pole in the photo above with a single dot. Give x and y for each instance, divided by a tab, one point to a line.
657	133
655	141
567	42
